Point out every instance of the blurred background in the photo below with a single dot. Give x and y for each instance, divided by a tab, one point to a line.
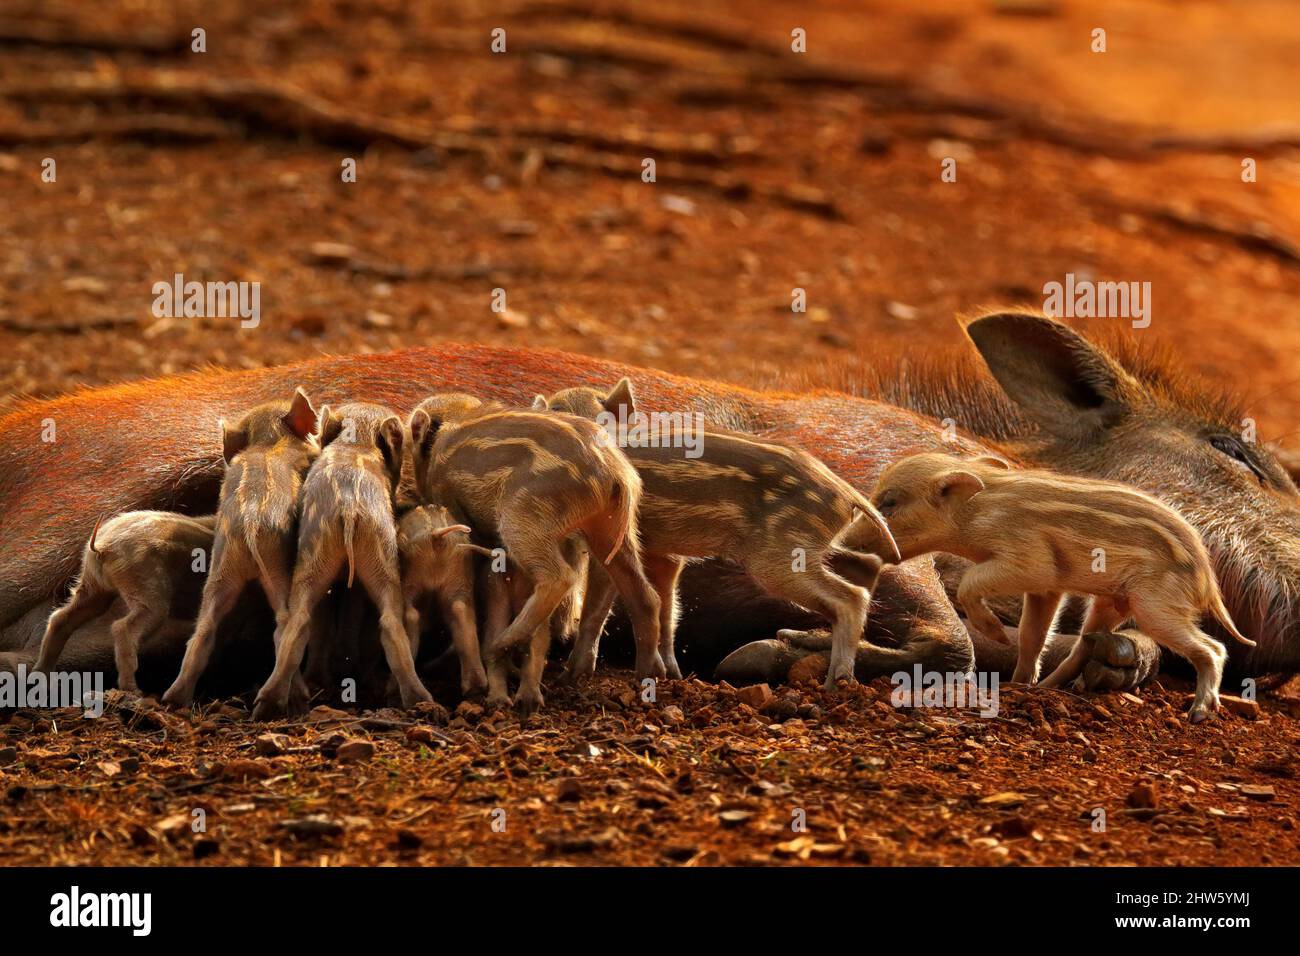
522	170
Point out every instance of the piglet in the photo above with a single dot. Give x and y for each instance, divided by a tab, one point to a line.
347	520
437	558
530	481
267	454
145	559
801	532
1045	535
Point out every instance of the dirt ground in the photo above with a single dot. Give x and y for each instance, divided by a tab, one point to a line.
522	171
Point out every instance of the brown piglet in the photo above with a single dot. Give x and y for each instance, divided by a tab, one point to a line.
437	559
529	481
799	530
348	520
267	454
1043	535
145	559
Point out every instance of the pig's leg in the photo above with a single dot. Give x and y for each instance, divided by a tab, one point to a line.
458	611
86	604
378	572
411	621
312	578
144	616
979	582
596	605
275	582
642	605
1171	627
825	593
219	596
1036	620
1102	616
529	698
543	563
496	618
663	571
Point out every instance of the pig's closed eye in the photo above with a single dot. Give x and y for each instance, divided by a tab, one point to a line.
887	504
1234	450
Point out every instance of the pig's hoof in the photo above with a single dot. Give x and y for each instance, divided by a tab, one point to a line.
414	695
1116	662
475	687
267	708
759	662
674	671
178	699
497	701
1023	677
843	682
528	702
654	667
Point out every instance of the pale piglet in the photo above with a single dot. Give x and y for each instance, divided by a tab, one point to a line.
438	560
1045	535
530	481
267	454
348	521
154	562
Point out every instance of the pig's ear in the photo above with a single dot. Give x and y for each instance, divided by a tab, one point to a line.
539	403
621	395
331	426
423	431
389	438
1060	381
233	441
957	486
993	461
301	418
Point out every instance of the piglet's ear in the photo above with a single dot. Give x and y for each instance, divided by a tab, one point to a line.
540	404
620	399
301	419
390	439
957	486
331	426
423	430
993	462
233	441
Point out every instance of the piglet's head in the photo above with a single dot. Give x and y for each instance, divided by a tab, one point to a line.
922	495
589	403
428	419
265	426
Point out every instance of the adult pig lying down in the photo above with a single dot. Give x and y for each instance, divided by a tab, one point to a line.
1055	400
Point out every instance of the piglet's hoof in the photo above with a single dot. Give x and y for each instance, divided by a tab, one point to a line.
177	699
267	708
528	703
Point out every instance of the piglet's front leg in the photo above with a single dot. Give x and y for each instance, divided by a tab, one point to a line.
981	581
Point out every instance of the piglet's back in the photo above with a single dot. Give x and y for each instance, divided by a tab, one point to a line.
261	491
1095	512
